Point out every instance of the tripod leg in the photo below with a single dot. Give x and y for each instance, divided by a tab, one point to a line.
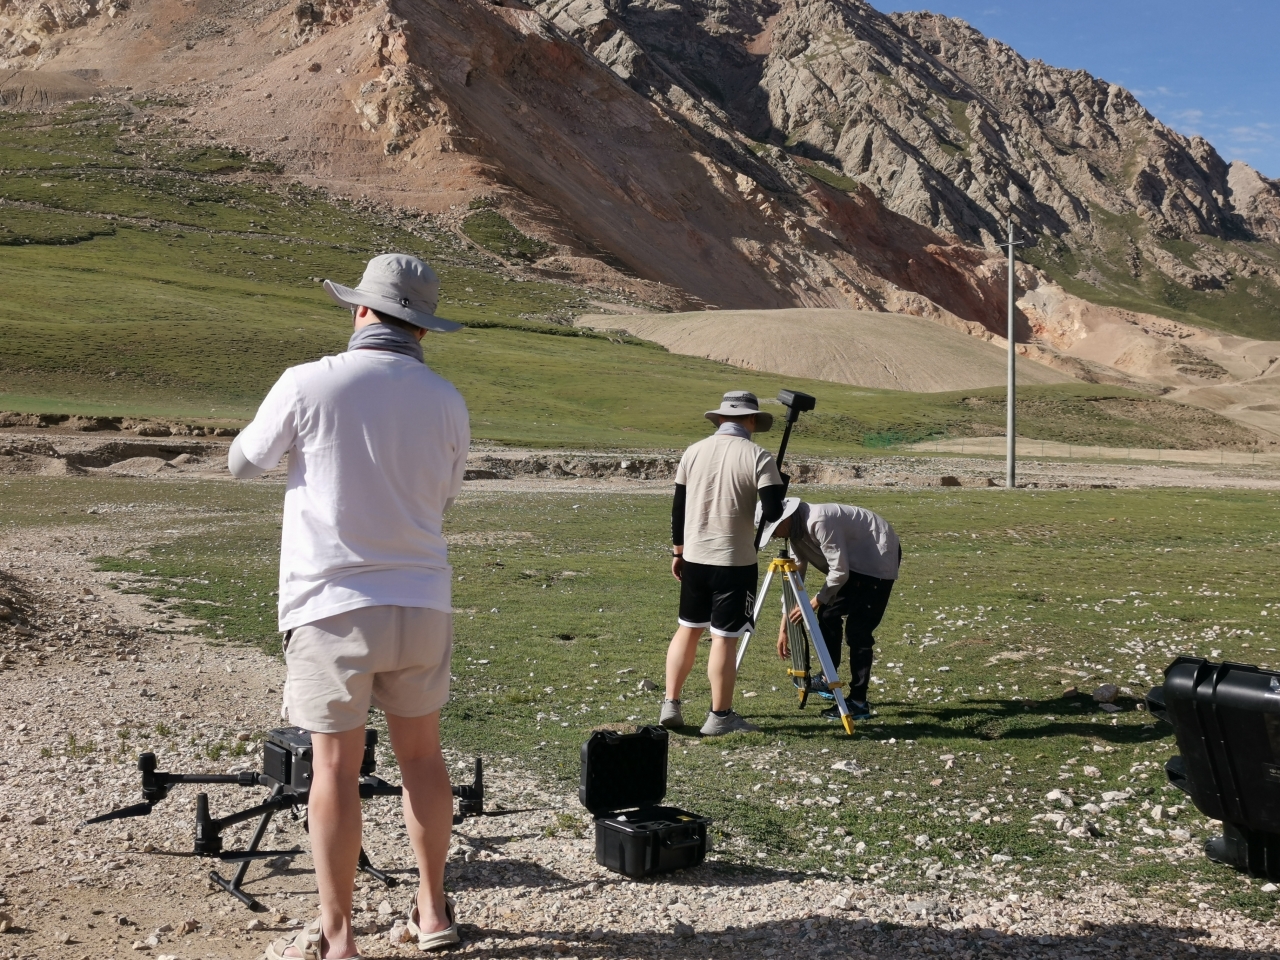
365	865
755	616
798	644
820	646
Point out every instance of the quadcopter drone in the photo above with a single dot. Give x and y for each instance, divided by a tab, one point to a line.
286	771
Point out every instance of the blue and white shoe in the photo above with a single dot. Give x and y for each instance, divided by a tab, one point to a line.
817	687
857	711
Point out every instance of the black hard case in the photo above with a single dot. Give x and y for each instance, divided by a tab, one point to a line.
1226	718
624	778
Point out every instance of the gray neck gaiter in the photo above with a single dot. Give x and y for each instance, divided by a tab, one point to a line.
379	336
730	429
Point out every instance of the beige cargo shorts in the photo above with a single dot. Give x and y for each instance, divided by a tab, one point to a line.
394	658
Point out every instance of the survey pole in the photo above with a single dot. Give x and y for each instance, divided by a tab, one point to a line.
1011	443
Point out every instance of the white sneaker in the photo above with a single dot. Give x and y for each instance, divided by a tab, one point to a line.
671	715
719	726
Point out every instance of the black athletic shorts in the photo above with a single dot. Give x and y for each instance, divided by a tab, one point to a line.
721	598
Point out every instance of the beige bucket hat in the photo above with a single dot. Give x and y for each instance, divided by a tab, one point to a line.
400	286
741	403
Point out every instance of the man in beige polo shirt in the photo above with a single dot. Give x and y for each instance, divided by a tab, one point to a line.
714	553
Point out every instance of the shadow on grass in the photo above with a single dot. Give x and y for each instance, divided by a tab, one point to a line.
982	720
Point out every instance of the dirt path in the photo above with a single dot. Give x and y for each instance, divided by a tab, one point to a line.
970	463
89	678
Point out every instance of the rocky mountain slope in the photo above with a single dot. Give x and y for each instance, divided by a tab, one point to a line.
753	154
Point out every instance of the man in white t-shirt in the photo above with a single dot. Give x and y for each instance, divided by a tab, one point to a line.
713	533
377	447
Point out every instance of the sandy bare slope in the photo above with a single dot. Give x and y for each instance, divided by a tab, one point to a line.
890	351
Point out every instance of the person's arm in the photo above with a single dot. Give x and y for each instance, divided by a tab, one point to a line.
677	529
837	562
262	444
241	467
461	447
771	498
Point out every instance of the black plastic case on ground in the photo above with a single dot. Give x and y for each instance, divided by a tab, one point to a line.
624	778
1226	718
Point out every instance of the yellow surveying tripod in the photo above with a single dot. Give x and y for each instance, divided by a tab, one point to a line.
799	635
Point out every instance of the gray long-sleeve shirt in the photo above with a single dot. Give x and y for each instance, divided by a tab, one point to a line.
839	539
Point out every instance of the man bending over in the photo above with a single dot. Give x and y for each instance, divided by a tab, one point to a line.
860	554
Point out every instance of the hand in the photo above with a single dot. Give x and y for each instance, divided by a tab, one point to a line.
784	646
677	566
797	614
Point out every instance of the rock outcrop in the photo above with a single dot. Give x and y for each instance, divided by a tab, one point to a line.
945	126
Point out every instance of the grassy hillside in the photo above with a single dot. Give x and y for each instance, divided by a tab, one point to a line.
140	274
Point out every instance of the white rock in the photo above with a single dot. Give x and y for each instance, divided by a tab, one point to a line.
1106	693
255	924
385	909
1269	888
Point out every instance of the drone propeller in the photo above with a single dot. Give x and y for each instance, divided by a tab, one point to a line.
232	856
137	810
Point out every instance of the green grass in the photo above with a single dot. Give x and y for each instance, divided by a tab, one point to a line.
495	233
1007	601
829	177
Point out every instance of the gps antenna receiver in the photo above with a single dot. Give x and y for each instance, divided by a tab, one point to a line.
796	404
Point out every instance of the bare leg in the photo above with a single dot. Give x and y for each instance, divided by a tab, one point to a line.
428	809
680	657
722	671
335	823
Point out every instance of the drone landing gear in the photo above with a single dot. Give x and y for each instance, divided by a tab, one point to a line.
209	839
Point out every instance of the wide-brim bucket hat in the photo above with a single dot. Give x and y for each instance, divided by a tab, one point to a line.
400	286
741	403
789	506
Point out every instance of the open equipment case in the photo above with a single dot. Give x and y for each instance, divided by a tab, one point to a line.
624	778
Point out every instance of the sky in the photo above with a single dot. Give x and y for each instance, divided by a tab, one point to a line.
1206	67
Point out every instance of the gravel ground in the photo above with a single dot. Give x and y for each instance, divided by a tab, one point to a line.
89	679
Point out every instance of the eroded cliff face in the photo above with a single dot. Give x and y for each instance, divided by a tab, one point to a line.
945	126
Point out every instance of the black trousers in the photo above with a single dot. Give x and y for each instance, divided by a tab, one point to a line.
855	611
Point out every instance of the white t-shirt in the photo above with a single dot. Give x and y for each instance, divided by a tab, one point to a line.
378	446
721	475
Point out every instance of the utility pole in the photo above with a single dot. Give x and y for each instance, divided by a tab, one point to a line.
1011	443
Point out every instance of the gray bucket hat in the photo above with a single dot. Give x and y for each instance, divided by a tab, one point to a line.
789	506
400	286
741	403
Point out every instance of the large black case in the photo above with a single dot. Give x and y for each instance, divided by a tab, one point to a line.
624	778
1226	718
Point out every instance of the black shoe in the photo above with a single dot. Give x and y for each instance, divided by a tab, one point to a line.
857	711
